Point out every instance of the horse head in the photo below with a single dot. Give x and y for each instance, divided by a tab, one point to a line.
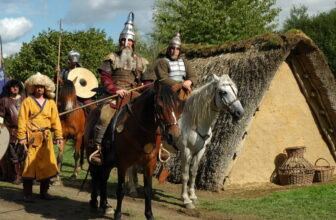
68	98
226	96
168	108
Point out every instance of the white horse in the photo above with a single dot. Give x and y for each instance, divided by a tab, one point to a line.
196	122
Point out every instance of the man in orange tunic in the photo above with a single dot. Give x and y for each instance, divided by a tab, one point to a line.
38	116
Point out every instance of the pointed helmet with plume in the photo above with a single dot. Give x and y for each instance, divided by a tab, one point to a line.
175	41
39	79
128	31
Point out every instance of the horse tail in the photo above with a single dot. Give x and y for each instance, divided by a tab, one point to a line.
81	160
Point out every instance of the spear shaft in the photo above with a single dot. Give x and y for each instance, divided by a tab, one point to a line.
58	60
103	99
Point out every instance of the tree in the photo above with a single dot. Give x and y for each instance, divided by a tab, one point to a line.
212	21
298	18
40	55
321	28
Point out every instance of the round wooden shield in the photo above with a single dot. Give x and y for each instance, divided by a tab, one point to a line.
4	140
84	81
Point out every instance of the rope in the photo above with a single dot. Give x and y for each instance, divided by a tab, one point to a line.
163	149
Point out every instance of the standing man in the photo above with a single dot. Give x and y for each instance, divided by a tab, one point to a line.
175	71
119	72
10	102
37	118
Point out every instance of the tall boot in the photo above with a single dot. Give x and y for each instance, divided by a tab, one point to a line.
18	177
96	157
28	190
44	187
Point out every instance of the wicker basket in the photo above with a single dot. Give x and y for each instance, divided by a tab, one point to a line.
296	170
323	173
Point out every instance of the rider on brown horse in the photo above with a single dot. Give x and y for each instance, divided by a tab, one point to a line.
73	62
119	72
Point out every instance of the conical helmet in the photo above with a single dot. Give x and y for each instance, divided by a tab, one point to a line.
175	41
128	31
74	56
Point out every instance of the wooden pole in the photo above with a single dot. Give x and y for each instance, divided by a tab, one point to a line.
1	54
58	60
103	99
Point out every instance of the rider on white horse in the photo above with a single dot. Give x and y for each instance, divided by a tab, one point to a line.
175	71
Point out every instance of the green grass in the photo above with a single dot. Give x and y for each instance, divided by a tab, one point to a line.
316	202
68	167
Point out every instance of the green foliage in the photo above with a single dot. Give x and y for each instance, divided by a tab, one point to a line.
41	54
316	202
321	28
212	21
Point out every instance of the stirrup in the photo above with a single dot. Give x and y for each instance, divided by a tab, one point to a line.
164	154
96	157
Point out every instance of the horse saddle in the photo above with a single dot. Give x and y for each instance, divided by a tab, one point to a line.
122	117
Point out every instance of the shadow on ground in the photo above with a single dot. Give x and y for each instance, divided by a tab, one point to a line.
59	208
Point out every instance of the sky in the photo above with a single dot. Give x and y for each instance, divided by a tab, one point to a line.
20	20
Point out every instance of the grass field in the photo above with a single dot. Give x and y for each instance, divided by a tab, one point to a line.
313	202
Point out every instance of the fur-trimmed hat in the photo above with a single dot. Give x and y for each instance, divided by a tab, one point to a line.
42	80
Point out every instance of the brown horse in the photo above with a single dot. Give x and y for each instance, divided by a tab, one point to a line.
73	125
130	140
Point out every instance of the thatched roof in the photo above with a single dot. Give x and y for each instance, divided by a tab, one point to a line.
252	64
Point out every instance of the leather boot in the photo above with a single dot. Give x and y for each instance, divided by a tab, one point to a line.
28	191
18	177
44	186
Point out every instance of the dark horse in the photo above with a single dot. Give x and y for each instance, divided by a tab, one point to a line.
73	125
133	143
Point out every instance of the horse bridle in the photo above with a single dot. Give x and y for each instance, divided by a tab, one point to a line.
158	114
228	104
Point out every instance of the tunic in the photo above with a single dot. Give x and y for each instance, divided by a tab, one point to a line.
162	70
41	161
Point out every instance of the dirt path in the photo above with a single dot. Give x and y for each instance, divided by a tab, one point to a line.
166	204
69	205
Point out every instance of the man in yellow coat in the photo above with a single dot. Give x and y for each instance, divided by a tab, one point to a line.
38	116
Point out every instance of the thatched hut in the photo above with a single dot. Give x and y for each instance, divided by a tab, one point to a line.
289	95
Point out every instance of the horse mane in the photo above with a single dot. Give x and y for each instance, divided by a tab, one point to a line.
168	97
198	104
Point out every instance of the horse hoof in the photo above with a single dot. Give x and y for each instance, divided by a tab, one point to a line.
195	201
133	194
73	177
108	210
151	218
55	183
117	216
189	206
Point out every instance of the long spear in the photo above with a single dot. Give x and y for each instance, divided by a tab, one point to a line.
58	60
103	99
1	54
